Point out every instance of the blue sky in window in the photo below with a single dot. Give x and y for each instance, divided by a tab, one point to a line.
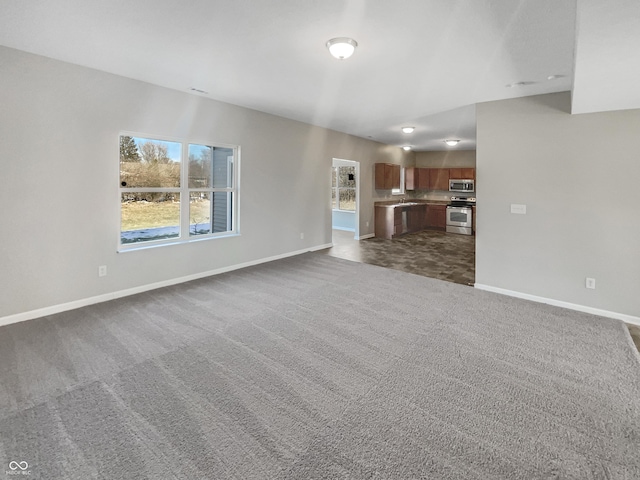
174	149
196	150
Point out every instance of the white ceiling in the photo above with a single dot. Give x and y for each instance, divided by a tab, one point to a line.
424	63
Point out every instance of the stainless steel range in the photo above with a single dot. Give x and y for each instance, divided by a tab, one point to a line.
460	215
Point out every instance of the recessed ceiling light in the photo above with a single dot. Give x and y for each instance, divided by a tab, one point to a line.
519	84
452	143
408	129
406	148
342	47
554	77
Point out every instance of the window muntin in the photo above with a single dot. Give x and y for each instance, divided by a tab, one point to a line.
153	179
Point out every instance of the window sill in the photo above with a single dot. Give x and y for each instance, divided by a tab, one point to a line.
148	245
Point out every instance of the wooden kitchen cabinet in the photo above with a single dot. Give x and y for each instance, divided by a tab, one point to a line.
423	178
473	213
389	220
387	176
436	217
416	178
411	178
439	179
462	173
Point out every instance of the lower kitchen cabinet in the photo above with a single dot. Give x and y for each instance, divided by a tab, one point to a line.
436	217
395	221
473	213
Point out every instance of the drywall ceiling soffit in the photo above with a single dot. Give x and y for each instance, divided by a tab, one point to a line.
607	65
416	59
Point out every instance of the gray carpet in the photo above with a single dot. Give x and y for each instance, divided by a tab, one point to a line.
315	367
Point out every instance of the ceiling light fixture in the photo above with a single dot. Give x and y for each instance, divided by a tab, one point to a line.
408	129
342	47
406	148
452	143
519	84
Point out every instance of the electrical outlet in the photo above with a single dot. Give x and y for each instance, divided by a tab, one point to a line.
590	283
367	224
301	235
102	271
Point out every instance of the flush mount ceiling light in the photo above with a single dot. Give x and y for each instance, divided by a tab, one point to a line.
408	129
406	148
342	47
519	84
452	143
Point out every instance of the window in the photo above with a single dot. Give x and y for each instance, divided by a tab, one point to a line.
343	188
164	199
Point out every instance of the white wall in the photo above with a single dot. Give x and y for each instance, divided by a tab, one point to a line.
59	127
577	175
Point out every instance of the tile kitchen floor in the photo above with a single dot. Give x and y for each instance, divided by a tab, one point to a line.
446	256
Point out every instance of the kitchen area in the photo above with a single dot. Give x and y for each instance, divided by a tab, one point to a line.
427	228
434	198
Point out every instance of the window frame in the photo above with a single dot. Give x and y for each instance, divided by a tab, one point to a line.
184	191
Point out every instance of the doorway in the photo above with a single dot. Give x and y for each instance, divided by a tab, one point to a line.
345	196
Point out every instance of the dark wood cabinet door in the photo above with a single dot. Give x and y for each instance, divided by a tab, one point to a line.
462	173
395	176
439	179
423	178
468	173
411	178
379	179
455	173
441	216
387	176
436	216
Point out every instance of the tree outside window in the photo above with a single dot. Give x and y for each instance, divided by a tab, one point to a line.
343	188
154	181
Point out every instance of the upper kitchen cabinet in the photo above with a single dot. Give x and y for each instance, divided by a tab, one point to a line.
387	176
439	179
410	178
462	173
416	178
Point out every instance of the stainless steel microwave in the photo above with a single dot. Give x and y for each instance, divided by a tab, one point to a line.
462	186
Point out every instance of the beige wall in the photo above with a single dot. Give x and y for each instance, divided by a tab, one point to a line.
60	125
446	159
575	175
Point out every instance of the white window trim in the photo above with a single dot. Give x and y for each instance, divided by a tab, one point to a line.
184	191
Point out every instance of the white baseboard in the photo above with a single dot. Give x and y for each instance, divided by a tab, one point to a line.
558	303
63	307
368	235
343	229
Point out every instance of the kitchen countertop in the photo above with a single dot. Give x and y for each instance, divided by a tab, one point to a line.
391	203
